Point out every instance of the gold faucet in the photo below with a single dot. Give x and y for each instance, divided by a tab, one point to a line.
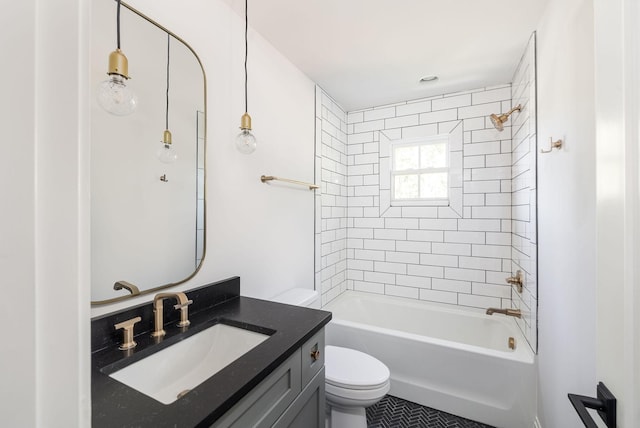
510	312
127	286
183	304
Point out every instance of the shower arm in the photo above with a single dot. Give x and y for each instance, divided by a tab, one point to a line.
518	108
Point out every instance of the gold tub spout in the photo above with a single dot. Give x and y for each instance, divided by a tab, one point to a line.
510	312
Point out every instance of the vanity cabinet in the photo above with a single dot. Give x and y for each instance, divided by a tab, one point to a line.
292	396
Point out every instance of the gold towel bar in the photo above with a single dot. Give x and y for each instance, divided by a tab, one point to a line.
266	178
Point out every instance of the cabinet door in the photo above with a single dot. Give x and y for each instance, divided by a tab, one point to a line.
267	401
308	410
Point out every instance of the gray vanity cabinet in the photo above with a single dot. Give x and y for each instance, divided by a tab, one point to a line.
292	396
308	409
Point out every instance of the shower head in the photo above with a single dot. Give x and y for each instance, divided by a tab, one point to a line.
498	121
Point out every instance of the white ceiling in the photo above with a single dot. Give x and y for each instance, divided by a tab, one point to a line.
366	53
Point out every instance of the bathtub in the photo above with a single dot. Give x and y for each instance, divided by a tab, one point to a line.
453	359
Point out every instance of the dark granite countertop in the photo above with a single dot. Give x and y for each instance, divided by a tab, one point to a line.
117	405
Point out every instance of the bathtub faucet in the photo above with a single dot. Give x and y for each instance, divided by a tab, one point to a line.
510	312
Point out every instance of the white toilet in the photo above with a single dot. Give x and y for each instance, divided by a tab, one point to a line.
353	380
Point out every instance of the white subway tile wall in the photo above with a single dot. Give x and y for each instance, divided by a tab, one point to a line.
331	211
200	137
460	256
456	255
523	199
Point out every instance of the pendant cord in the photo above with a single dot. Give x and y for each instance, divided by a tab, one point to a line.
118	25
246	51
166	118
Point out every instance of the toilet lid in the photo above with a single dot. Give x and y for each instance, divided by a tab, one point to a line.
351	369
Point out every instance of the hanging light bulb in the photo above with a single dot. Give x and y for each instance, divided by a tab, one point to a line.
114	95
166	153
245	141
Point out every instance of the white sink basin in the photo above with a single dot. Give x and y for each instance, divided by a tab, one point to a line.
181	367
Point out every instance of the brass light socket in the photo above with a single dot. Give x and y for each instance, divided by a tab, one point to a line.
245	121
166	137
118	64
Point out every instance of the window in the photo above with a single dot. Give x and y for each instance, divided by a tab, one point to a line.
420	171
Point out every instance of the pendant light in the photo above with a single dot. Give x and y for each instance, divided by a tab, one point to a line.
166	153
245	141
114	95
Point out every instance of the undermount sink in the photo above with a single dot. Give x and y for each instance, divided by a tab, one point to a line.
172	372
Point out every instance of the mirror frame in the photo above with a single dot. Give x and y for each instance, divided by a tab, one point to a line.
204	220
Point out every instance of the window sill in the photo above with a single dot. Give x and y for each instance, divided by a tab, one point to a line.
422	203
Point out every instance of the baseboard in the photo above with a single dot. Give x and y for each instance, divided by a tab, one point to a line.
536	423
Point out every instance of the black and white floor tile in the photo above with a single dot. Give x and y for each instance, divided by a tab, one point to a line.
393	412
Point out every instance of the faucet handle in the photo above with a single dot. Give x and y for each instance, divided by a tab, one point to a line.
182	305
184	313
516	280
127	326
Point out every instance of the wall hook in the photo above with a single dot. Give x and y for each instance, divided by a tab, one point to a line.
163	177
553	145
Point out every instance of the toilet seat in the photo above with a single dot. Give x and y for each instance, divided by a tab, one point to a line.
364	397
349	369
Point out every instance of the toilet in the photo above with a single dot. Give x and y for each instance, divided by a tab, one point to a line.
353	380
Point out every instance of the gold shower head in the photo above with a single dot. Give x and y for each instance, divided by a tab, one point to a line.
498	121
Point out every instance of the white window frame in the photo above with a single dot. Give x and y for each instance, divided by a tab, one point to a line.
425	141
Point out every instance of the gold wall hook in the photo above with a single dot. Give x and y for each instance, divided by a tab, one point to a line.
553	145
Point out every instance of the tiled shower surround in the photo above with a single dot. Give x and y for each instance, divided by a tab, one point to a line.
523	177
459	254
331	201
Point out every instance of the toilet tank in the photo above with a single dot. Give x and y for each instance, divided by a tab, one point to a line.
299	297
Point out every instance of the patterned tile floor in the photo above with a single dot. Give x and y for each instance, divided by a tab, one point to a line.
393	412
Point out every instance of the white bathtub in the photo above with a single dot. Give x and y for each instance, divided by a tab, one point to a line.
453	359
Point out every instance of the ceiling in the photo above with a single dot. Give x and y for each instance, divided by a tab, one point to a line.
367	53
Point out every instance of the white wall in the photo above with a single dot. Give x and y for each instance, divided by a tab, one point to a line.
261	232
44	246
17	228
566	211
617	66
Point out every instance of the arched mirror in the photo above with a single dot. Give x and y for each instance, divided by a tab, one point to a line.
147	216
